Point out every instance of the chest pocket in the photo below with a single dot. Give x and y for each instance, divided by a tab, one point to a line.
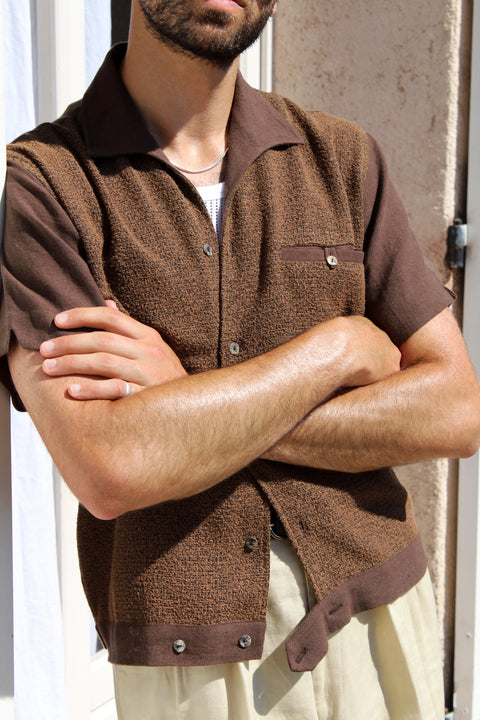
331	256
329	280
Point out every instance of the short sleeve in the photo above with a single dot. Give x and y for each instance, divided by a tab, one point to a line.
402	293
43	268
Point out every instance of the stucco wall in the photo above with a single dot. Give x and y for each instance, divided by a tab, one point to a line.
399	69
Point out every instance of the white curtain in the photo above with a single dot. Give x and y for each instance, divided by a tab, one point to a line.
40	690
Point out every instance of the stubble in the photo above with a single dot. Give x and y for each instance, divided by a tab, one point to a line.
214	35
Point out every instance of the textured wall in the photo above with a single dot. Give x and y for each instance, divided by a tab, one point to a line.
399	69
395	69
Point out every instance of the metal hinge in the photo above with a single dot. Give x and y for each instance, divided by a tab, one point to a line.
457	240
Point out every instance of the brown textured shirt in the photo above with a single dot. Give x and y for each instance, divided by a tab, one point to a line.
312	229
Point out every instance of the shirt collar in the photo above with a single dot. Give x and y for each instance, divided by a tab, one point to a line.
114	126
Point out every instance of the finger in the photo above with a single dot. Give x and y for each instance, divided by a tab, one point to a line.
111	304
89	389
103	318
93	364
91	342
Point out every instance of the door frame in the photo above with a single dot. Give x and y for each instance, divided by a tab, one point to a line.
6	550
467	612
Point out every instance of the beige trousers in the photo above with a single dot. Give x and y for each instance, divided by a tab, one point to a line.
384	665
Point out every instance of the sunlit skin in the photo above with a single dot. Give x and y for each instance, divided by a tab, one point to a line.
191	126
340	396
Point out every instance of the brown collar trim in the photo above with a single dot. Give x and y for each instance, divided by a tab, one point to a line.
114	126
255	126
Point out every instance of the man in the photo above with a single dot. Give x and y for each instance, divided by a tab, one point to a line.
231	374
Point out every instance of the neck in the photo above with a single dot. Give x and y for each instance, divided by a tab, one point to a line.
185	101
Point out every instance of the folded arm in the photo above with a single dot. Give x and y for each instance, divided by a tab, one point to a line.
430	409
183	436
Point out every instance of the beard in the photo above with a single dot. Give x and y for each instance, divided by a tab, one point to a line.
212	34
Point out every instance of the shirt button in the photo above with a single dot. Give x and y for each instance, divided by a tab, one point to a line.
245	641
332	261
179	646
208	250
251	543
234	348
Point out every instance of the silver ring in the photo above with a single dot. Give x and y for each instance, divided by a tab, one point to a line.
128	389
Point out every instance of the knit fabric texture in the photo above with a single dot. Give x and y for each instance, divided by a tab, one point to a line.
292	255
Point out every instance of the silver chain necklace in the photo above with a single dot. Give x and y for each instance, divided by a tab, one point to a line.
202	170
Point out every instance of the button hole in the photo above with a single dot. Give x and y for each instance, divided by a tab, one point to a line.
301	655
335	609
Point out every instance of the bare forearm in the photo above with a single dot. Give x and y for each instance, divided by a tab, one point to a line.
180	438
388	423
431	409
